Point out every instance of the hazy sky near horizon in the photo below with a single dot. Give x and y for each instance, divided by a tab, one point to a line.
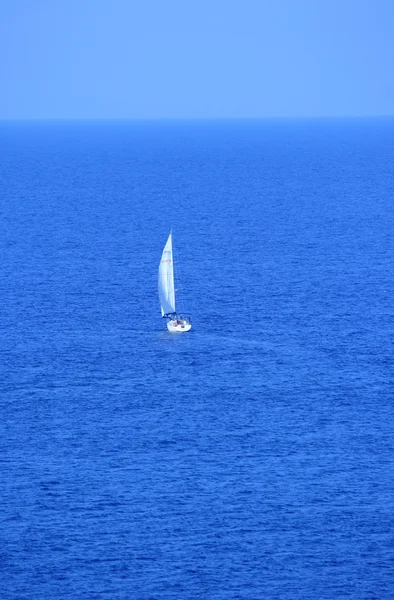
201	59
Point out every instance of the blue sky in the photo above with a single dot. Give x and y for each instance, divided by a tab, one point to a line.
196	59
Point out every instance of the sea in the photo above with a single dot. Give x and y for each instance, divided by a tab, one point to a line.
249	459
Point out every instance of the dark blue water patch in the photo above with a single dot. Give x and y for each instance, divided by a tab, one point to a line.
251	458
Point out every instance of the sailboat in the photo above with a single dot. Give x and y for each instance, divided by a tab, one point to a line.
176	323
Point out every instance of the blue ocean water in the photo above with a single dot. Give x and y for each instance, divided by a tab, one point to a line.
250	458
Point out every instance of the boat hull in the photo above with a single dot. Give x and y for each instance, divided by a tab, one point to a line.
179	328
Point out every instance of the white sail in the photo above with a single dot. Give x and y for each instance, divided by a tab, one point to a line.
166	280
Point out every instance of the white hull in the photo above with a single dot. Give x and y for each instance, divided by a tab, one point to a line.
178	328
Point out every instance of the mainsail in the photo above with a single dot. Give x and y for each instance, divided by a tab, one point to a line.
166	280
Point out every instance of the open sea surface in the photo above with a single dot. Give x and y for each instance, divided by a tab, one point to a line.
250	459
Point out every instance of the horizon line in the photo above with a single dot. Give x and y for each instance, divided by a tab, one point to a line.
216	118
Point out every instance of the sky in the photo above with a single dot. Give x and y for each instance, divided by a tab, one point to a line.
196	58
